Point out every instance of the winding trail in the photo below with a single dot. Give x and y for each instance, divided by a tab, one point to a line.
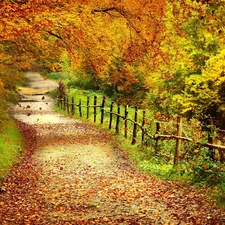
73	173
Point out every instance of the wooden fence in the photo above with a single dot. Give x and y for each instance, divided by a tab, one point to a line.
70	107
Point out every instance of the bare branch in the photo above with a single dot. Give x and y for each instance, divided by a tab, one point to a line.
104	10
55	35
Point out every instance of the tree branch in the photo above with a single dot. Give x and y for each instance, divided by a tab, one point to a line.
123	14
55	35
104	10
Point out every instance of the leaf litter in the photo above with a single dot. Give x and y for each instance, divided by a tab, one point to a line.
75	173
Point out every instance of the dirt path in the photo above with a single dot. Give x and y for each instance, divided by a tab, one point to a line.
73	173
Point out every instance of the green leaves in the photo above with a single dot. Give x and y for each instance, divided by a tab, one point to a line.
208	172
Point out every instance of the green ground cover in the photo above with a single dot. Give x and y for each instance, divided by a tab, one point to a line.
10	147
197	168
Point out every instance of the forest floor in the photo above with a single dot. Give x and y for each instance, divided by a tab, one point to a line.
74	173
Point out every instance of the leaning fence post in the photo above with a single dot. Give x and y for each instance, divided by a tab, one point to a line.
178	141
157	138
67	105
95	108
135	126
111	115
143	126
64	103
118	119
125	121
102	109
61	103
210	139
80	109
72	106
88	101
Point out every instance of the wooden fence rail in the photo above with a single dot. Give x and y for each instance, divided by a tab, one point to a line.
70	108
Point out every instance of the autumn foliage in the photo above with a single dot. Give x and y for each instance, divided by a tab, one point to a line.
139	51
162	54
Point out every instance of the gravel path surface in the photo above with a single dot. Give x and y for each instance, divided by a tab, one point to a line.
74	173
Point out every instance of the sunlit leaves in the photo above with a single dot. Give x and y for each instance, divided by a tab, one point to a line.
204	47
205	91
154	41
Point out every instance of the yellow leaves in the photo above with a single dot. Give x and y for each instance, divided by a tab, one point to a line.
196	151
217	65
2	204
25	65
32	91
222	108
55	67
1	84
106	219
204	90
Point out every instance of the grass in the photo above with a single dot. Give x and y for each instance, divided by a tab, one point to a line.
52	76
143	158
146	159
81	95
10	147
138	153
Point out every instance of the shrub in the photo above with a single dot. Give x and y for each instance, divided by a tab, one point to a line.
208	172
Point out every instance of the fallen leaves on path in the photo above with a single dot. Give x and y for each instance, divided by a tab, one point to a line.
32	91
75	174
78	188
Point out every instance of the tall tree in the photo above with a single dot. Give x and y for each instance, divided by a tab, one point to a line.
203	84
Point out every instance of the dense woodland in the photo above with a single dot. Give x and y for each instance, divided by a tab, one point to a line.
165	55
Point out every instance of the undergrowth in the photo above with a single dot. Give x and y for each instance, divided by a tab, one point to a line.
52	76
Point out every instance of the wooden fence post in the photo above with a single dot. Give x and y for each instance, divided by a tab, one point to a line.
103	109
58	101
95	108
80	108
135	126
143	126
88	109
125	121
61	102
118	119
178	141
67	105
210	139
64	103
157	138
72	106
111	115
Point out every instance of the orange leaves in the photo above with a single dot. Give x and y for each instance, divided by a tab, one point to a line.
202	57
205	166
98	37
157	114
64	185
